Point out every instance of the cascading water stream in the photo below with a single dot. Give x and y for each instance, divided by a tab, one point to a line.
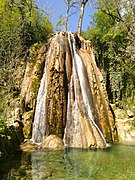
79	98
38	131
72	88
80	72
39	124
78	78
76	92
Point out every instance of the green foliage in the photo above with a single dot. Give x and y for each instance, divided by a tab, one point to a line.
61	23
22	24
109	33
2	127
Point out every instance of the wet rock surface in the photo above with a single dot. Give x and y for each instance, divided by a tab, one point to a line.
32	77
72	102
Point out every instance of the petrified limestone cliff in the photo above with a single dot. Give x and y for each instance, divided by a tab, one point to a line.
30	86
72	101
32	77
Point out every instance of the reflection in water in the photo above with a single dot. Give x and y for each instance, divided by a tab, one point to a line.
115	163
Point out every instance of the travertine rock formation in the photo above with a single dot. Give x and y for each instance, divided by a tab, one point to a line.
72	101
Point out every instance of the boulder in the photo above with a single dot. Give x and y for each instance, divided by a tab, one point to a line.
125	126
28	146
52	142
126	131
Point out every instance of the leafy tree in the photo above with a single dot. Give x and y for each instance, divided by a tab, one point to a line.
61	23
112	34
21	25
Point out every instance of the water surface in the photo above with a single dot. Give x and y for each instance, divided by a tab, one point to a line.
114	163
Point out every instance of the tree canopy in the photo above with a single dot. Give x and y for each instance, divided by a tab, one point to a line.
22	24
111	33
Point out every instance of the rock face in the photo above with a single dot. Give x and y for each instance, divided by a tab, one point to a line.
72	101
32	77
27	123
125	122
30	85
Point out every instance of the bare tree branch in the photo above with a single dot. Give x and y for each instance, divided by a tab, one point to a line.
82	7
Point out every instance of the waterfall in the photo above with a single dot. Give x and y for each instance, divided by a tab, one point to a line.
66	74
39	118
79	79
38	130
84	85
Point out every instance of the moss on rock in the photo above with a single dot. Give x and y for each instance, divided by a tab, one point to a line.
27	122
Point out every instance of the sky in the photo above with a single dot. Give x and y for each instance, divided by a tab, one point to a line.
57	7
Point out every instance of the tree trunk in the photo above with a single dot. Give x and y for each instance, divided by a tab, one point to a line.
81	18
67	14
83	3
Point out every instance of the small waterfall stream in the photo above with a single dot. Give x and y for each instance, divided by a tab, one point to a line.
85	89
81	129
39	125
38	131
